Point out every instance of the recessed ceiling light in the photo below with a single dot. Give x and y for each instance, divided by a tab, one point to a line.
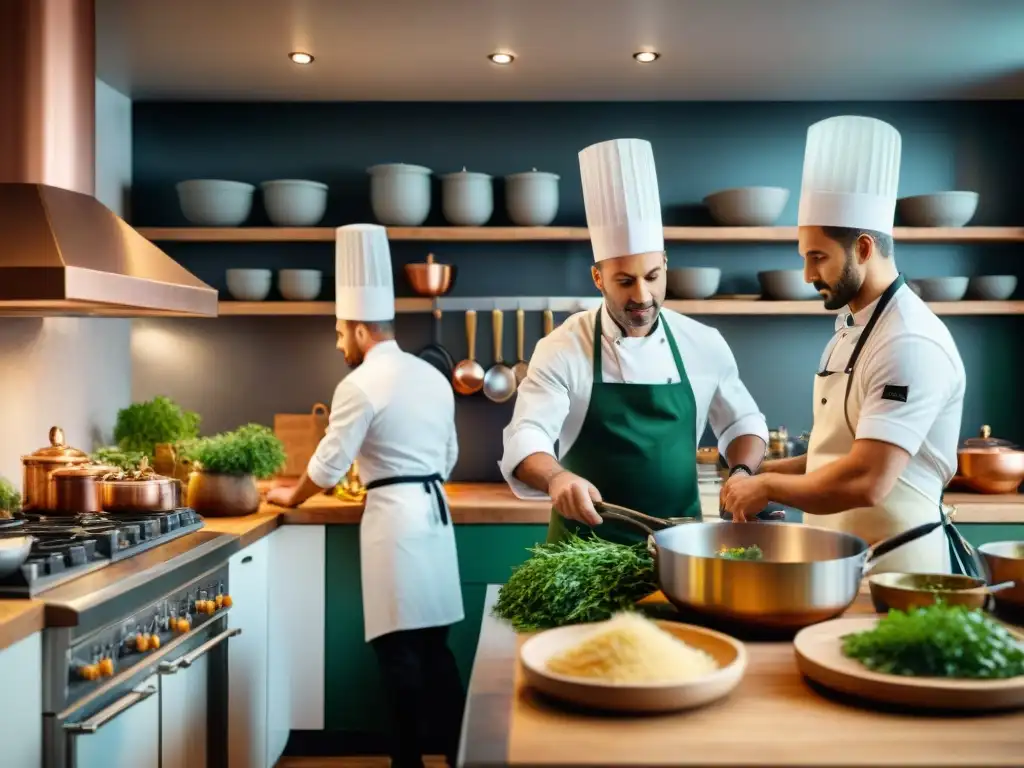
646	57
301	57
501	58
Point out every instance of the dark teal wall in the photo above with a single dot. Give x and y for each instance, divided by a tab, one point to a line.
249	368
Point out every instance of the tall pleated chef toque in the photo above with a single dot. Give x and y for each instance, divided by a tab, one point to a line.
620	194
362	274
851	174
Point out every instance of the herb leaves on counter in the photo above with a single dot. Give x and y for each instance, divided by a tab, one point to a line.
10	499
938	641
574	581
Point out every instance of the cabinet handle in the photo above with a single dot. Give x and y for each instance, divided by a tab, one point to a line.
104	716
246	559
189	659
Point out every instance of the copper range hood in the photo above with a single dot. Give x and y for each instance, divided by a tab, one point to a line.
62	252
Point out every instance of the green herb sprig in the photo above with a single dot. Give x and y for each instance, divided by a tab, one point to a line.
752	552
141	426
112	456
939	640
10	499
575	580
250	450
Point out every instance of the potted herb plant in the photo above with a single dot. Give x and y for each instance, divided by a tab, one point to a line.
159	429
10	499
225	468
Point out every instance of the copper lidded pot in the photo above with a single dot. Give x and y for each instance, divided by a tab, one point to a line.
989	465
39	487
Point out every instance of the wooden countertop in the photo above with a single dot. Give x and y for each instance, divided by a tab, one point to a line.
18	620
772	719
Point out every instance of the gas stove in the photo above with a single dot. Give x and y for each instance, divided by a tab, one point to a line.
69	546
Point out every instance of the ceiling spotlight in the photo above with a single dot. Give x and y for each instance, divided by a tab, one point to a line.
646	57
501	58
301	57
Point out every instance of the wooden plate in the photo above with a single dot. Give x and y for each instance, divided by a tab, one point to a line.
643	697
819	656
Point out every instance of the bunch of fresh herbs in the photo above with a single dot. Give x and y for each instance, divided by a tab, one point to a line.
939	640
250	450
141	426
574	581
10	499
112	456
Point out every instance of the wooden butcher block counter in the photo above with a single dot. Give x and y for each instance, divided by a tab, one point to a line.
773	718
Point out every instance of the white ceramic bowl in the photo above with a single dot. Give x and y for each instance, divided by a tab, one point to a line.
992	287
747	206
531	198
693	282
400	194
941	288
249	284
294	202
215	202
941	209
786	285
300	284
467	198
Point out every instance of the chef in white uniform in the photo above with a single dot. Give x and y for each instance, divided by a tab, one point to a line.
396	414
626	389
889	391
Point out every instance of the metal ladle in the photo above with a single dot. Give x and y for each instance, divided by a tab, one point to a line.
499	381
521	367
468	376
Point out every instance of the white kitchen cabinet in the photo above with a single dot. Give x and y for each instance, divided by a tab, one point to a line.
183	716
248	660
295	690
21	727
131	739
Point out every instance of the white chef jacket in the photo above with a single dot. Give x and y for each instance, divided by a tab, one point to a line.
552	402
908	347
396	413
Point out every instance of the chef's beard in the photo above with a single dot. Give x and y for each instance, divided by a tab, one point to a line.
846	288
355	360
622	316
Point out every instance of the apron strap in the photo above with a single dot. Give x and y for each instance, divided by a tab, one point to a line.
962	557
598	373
431	484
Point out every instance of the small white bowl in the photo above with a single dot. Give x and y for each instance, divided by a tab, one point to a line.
299	284
747	206
215	202
992	287
294	202
693	282
941	209
941	288
786	285
249	284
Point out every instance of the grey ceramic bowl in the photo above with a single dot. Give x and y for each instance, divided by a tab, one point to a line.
693	282
786	285
992	287
941	288
941	209
747	206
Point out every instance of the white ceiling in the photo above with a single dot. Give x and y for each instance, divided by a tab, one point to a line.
566	49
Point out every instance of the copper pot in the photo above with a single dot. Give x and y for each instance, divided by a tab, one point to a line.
430	278
155	494
76	489
218	495
39	491
989	465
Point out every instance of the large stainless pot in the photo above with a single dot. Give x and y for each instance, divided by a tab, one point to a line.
807	575
1004	561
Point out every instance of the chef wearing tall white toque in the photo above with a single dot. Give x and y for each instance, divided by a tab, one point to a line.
396	413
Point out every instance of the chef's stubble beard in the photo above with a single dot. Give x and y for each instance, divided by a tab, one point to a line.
621	316
847	286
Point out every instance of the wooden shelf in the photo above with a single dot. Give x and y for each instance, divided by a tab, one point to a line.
560	234
696	308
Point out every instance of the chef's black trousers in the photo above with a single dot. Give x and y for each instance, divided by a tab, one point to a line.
423	692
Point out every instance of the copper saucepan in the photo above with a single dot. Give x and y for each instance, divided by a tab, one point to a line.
39	488
989	465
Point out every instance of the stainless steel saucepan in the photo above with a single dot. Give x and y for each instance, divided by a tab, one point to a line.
807	574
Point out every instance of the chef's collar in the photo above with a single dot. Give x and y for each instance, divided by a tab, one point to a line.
861	317
612	330
387	345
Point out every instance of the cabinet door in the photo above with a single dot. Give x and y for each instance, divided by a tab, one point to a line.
183	716
247	657
295	682
131	739
21	727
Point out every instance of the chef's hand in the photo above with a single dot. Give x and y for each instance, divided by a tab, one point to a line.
744	496
574	498
280	496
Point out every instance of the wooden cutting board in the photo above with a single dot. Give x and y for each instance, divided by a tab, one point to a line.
301	434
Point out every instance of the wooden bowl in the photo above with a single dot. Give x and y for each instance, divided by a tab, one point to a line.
634	697
903	591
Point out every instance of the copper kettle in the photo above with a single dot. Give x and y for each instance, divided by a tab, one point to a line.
39	486
989	465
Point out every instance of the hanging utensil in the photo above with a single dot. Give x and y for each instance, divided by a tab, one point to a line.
468	376
499	381
521	366
549	322
435	352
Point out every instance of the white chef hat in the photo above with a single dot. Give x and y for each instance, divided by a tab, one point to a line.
620	194
362	274
851	174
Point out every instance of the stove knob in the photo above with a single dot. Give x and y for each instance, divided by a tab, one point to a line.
228	602
106	667
89	671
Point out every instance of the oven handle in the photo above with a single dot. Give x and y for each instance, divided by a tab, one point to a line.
104	716
186	661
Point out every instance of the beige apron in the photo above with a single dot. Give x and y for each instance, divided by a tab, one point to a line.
905	507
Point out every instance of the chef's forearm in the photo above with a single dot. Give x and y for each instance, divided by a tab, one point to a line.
306	489
747	450
838	486
794	465
537	469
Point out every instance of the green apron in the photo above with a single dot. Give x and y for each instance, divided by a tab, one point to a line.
638	446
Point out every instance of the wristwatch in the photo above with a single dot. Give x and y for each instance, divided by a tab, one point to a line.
740	468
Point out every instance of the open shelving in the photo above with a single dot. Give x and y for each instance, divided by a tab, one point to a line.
560	234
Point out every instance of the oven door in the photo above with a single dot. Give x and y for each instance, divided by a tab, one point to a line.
124	734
